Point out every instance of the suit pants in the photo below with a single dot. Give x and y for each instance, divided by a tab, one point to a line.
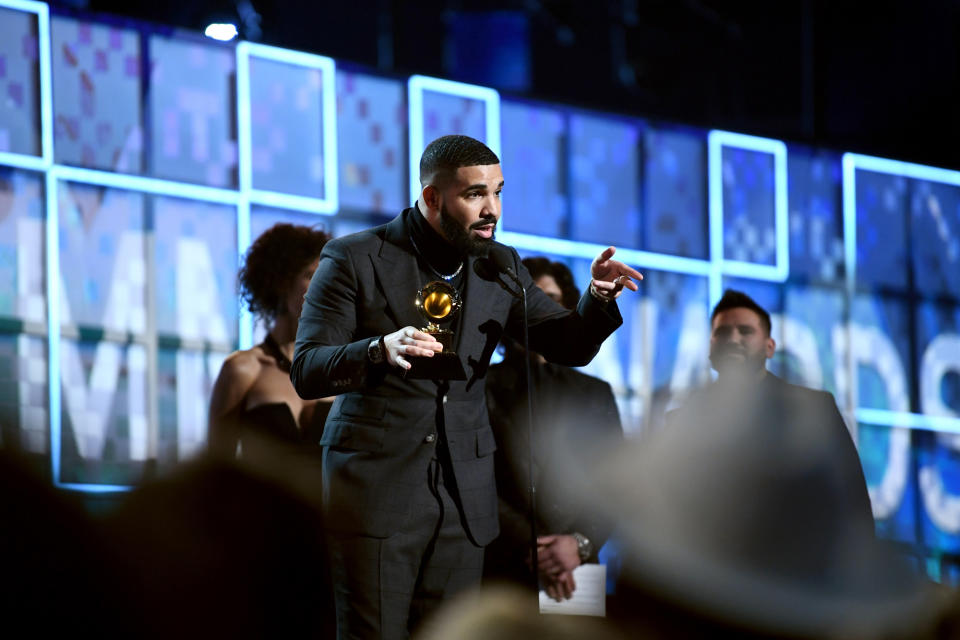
385	587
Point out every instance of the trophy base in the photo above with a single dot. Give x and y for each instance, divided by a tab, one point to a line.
442	366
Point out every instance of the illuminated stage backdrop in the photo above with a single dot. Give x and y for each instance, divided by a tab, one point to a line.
136	167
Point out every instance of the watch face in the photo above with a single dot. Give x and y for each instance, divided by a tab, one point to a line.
374	352
584	547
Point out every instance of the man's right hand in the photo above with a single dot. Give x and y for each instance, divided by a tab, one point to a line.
557	557
409	342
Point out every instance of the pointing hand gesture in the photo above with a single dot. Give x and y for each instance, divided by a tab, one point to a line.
611	276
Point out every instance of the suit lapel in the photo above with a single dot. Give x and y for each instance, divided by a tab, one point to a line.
397	271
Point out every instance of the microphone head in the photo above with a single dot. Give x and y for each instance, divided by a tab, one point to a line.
501	258
485	268
498	260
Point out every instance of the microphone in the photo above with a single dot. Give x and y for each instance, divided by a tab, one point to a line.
485	268
498	261
502	260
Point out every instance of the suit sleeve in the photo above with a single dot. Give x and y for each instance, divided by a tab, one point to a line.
328	360
561	336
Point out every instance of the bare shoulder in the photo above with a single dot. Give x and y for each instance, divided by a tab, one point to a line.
237	376
241	368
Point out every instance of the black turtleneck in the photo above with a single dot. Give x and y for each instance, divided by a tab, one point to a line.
434	251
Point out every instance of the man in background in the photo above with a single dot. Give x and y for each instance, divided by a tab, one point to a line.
749	401
574	414
748	515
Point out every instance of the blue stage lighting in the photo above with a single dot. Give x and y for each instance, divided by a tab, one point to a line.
716	140
852	162
415	88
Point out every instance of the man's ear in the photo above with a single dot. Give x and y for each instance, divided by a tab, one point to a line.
431	197
771	347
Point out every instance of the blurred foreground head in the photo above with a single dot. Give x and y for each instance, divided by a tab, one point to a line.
729	525
217	550
56	578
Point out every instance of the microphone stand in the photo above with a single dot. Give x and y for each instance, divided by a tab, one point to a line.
491	270
531	483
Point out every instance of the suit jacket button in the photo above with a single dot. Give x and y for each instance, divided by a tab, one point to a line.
430	438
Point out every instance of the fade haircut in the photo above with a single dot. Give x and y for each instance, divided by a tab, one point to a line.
539	266
446	154
733	299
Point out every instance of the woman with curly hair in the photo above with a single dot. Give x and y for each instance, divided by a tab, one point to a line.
253	401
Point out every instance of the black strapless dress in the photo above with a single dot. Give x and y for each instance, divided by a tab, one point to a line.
269	429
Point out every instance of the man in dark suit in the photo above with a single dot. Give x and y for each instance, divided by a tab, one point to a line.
409	490
748	399
748	514
575	419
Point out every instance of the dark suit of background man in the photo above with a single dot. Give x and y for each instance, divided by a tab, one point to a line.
748	516
408	463
780	414
574	414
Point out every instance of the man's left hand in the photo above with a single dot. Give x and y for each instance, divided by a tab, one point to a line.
611	276
559	587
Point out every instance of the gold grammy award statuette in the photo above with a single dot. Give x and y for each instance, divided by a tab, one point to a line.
439	304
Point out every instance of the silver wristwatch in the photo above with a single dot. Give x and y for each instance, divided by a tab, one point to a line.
584	546
375	350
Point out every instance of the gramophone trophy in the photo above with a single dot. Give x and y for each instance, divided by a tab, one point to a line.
439	303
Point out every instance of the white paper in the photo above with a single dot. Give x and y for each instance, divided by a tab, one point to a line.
589	596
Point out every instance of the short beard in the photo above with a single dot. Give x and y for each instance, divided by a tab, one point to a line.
462	240
751	364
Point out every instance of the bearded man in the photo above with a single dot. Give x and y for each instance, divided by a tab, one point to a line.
408	476
747	408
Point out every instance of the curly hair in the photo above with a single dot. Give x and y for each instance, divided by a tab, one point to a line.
272	263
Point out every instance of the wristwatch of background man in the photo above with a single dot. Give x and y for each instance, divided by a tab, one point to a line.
584	546
375	350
